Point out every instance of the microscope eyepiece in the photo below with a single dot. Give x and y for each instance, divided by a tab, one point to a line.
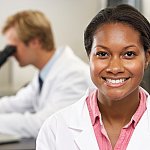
7	52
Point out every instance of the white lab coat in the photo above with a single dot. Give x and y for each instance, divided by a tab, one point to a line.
24	113
71	129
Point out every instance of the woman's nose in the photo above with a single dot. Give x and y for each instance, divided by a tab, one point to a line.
115	66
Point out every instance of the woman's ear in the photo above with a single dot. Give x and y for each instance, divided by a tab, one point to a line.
147	58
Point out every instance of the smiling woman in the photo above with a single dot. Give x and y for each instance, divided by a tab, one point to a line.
115	114
117	61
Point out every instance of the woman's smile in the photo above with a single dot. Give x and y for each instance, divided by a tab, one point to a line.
115	82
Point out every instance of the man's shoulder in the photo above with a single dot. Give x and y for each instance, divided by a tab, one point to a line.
70	57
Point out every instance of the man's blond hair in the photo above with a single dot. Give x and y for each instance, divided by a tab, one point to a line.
30	24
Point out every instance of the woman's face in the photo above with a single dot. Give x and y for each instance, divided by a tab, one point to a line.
117	61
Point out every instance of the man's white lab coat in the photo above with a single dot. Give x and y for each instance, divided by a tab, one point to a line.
24	113
71	129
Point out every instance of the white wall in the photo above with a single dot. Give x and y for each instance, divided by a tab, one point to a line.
69	19
146	9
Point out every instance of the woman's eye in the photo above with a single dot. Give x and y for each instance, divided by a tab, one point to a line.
102	54
129	54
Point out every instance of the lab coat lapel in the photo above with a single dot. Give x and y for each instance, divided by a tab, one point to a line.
53	72
141	135
82	128
86	140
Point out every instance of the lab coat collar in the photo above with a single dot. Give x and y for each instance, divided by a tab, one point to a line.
83	131
141	135
79	111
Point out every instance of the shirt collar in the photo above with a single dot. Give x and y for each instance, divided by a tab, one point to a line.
45	70
141	108
93	106
95	113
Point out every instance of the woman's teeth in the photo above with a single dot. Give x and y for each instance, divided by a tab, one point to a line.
115	81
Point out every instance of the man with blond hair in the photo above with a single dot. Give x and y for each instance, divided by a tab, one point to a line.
62	78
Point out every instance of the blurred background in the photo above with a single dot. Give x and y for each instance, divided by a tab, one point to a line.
69	19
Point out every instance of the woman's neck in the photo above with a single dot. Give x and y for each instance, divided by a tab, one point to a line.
120	111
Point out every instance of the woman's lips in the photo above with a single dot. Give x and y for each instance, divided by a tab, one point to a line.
115	82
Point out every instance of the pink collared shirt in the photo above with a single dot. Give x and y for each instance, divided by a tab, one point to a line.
99	129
